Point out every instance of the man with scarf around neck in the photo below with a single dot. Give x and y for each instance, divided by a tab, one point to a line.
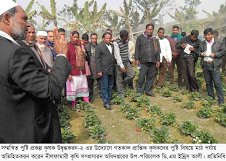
124	61
165	58
90	52
105	62
212	51
177	59
189	60
147	56
50	43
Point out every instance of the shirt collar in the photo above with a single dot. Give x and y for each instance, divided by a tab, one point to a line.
5	35
212	41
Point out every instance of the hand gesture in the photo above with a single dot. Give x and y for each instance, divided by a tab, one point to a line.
60	44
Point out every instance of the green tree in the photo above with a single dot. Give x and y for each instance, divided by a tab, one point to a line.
84	18
150	9
51	17
126	14
30	13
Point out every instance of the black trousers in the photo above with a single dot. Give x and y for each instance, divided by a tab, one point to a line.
146	78
189	74
91	88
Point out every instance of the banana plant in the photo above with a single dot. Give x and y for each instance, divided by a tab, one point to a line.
126	15
83	18
50	17
179	17
30	14
150	9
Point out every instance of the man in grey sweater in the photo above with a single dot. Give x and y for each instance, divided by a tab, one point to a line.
147	56
124	62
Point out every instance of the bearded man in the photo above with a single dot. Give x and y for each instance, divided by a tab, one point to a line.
27	111
41	38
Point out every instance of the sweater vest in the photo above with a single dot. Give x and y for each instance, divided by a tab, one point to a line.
124	50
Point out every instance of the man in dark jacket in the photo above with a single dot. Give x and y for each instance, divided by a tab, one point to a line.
189	48
27	112
105	62
90	51
147	57
212	50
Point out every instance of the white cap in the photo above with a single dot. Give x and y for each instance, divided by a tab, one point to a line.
42	33
7	6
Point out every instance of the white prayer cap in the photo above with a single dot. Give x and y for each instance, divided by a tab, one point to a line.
7	6
42	33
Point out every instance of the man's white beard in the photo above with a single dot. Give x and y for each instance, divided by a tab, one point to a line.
41	47
17	32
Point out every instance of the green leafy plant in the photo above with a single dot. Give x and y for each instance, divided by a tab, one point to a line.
160	136
64	122
223	108
167	93
168	119
205	112
200	82
189	105
159	90
91	120
154	110
128	92
134	97
167	84
174	88
203	137
184	92
82	106
97	132
177	98
188	128
145	125
221	119
195	96
125	107
208	101
132	113
142	102
117	100
67	135
199	74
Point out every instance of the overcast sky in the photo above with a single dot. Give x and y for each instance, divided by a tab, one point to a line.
207	5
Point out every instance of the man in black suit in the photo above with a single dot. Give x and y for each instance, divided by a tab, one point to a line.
27	111
105	62
90	51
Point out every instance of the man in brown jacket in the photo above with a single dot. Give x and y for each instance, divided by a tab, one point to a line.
177	59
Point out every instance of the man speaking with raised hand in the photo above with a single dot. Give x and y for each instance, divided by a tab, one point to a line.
27	111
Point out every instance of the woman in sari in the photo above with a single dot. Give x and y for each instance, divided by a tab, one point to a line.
77	85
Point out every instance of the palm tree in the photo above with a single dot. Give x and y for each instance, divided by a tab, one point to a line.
51	17
84	18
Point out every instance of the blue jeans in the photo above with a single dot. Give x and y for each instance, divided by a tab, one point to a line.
107	82
213	76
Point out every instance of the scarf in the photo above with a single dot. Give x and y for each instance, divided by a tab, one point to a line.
80	60
177	36
52	48
149	37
